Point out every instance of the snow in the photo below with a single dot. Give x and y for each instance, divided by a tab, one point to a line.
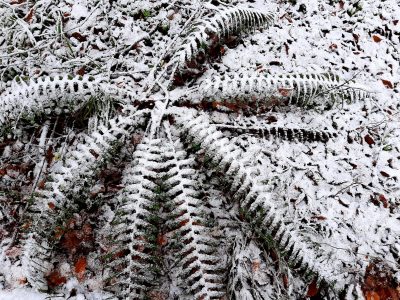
18	294
332	194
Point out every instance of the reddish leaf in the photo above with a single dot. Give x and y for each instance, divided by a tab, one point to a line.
3	172
333	47
376	38
162	240
383	199
183	223
388	84
80	267
81	71
372	296
49	155
284	92
369	139
55	279
312	289
285	281
29	16
51	205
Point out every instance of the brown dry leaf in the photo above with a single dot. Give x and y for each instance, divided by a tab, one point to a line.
383	199
369	139
312	289
378	283
284	92
80	267
162	240
384	174
81	71
79	36
51	205
49	155
41	184
376	38
55	279
29	16
388	84
255	265
372	296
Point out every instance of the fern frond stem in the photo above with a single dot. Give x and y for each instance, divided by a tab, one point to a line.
197	262
227	21
249	189
285	133
57	93
300	89
169	46
134	227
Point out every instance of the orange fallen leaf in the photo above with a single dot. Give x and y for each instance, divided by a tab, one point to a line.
376	38
80	267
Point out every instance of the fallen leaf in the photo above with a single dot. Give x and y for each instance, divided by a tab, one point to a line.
312	289
376	38
51	205
369	139
162	240
383	199
55	279
29	16
81	71
384	174
80	267
284	92
79	36
388	84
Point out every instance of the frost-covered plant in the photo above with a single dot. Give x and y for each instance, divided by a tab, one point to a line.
169	148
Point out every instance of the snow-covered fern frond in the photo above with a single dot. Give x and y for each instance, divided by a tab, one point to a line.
134	231
230	21
57	94
300	89
37	259
67	179
260	128
254	200
198	264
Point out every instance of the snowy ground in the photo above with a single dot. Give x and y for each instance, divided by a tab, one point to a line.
343	196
